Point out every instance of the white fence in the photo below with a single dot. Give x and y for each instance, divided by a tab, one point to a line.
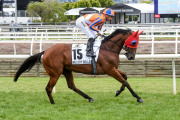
70	34
75	36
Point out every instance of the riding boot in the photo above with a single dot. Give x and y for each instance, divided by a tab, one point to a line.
89	49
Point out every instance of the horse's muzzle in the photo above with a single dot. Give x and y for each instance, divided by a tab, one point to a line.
130	56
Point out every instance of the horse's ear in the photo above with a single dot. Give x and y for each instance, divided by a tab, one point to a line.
140	32
136	33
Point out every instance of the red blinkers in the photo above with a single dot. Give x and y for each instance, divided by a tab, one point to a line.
133	40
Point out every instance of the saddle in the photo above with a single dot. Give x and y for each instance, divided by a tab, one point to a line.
79	55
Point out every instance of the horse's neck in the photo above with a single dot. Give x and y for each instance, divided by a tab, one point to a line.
113	45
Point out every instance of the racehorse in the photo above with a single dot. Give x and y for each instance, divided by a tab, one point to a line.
57	60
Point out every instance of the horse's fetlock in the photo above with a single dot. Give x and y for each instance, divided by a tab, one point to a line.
122	89
135	95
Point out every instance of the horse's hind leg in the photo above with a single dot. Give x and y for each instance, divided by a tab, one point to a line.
51	84
70	82
123	85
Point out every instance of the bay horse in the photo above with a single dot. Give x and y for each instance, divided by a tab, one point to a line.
57	60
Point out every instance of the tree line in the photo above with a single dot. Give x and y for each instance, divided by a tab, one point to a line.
53	10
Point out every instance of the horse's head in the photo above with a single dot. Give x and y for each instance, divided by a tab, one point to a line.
120	38
131	44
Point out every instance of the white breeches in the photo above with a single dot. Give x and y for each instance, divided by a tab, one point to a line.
80	23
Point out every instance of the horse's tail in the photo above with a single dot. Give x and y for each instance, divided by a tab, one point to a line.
28	64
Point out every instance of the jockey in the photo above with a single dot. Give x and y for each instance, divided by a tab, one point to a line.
91	24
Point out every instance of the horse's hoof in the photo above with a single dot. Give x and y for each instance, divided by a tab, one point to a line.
117	93
140	100
91	100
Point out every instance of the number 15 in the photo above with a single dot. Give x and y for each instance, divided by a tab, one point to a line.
77	53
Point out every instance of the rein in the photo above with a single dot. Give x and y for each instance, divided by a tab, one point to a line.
115	43
113	50
110	50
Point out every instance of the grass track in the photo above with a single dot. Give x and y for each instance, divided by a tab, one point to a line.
27	100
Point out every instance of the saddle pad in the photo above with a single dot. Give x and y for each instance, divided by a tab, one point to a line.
79	53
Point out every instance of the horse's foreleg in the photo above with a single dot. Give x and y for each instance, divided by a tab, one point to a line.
133	93
51	84
118	92
70	82
123	85
115	73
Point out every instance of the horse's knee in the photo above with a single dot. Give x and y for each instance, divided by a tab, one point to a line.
48	90
71	87
124	76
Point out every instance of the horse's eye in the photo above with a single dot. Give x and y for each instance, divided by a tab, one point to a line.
133	42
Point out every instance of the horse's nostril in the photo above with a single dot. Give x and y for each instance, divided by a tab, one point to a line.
131	58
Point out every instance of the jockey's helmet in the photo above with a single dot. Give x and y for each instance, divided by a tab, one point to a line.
108	11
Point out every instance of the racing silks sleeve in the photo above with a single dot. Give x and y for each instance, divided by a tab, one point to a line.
100	26
98	22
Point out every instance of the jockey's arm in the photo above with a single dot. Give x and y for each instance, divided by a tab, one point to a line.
100	26
98	23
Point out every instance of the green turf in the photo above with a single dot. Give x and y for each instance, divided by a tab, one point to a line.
27	100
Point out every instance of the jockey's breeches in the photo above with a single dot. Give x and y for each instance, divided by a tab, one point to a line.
81	24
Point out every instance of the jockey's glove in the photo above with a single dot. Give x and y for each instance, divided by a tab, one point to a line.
101	35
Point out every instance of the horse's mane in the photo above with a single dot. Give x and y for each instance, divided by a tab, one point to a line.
122	31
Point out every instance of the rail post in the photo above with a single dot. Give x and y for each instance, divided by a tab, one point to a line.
31	52
14	46
174	76
176	44
40	43
152	47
